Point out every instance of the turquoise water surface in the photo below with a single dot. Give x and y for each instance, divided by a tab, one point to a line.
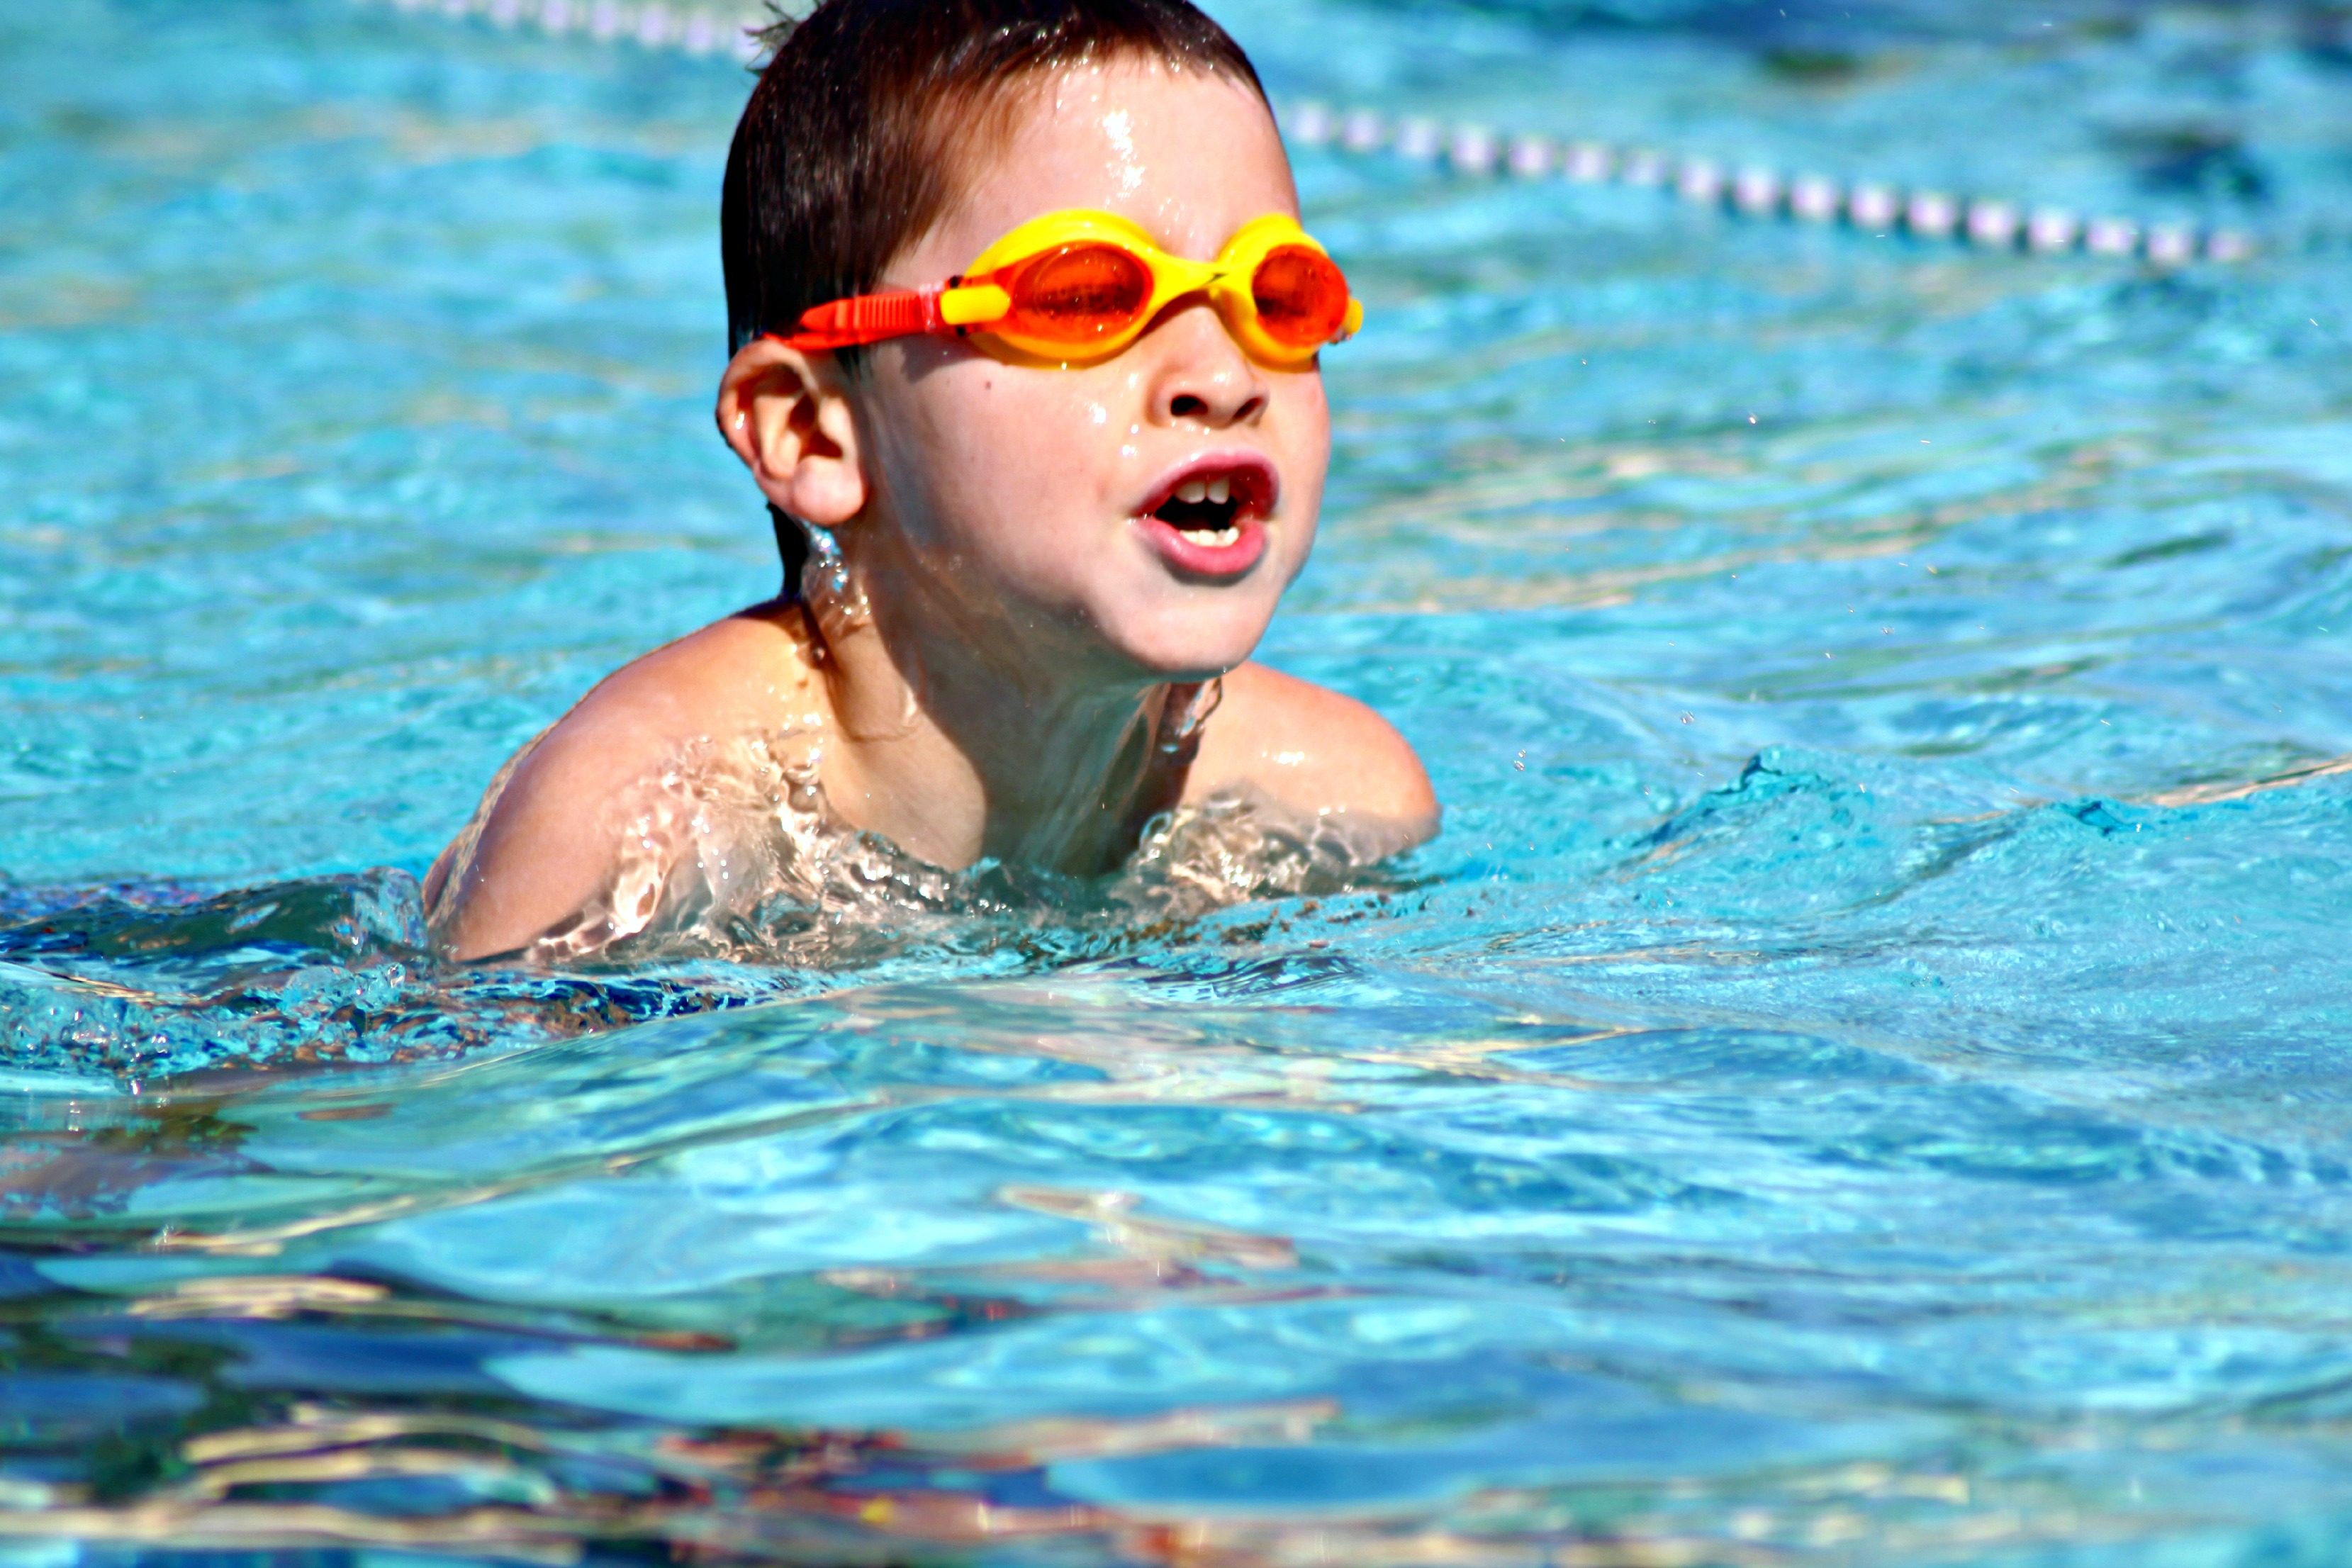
1862	1079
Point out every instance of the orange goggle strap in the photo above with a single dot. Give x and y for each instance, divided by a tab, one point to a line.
868	319
898	313
966	304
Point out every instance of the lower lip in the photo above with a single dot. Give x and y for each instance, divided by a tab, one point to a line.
1189	556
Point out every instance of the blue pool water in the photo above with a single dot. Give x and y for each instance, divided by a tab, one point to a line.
1861	1079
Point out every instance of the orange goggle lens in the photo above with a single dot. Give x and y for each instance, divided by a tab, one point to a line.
1300	295
1076	294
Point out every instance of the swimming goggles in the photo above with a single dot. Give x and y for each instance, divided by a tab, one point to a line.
1079	287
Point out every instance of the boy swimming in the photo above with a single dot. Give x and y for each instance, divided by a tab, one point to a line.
1025	364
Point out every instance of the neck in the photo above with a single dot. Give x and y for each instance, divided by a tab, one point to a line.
956	757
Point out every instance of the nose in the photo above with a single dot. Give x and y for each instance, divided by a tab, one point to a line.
1200	378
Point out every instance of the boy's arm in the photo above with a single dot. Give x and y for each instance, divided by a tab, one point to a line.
550	844
1315	750
554	839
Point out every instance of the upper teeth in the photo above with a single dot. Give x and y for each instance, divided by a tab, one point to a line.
1221	490
1199	490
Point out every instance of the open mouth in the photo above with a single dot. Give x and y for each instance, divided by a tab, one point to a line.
1208	518
1207	513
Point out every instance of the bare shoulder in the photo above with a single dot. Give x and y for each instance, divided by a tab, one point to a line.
545	844
1314	750
729	674
730	671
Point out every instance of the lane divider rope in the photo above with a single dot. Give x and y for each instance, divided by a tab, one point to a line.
1748	190
1755	190
689	29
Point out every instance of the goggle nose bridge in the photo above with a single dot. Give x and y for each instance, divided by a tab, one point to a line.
1225	286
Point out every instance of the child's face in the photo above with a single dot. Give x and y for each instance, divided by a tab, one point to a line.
1018	501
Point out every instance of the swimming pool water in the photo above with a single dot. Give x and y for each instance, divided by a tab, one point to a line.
1861	1079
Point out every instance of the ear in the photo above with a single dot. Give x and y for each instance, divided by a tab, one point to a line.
787	414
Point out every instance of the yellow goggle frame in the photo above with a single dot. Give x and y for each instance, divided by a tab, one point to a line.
1079	287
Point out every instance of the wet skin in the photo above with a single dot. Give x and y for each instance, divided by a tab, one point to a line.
991	684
